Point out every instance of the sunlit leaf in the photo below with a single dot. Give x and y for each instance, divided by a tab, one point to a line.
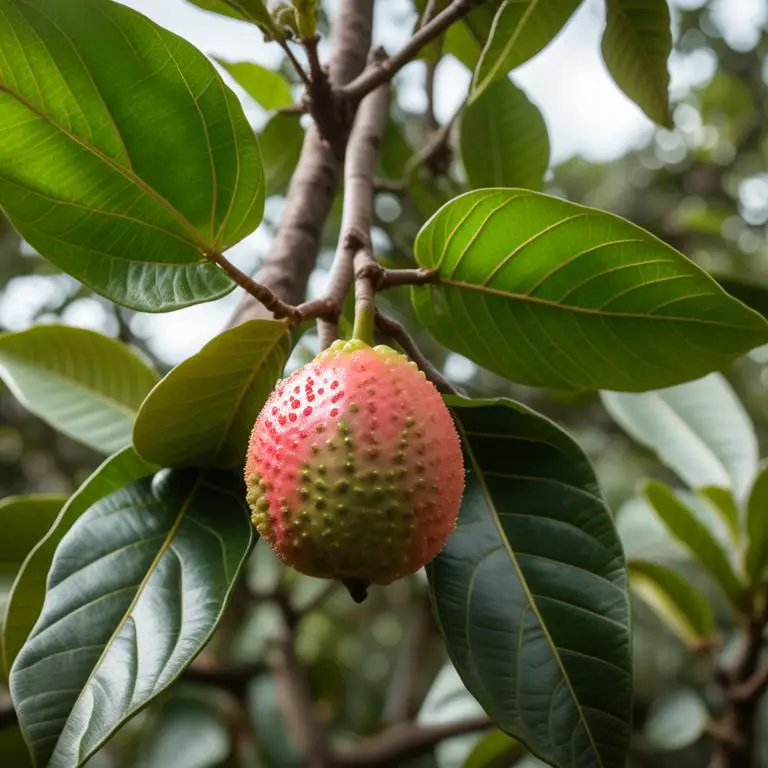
636	45
531	589
125	159
203	411
135	591
700	430
521	28
683	524
281	141
504	141
550	293
28	592
250	10
83	384
268	88
681	607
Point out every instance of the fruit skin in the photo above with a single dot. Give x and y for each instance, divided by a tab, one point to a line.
354	467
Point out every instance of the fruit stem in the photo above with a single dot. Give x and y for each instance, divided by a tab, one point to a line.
365	306
365	318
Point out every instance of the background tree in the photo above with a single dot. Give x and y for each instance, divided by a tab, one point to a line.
125	195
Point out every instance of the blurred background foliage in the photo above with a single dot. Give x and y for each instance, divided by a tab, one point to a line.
701	186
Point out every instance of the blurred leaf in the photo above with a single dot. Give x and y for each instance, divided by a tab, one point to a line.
636	45
504	141
700	430
24	520
550	293
13	749
531	589
448	701
723	503
520	30
277	746
88	177
186	732
676	720
203	411
135	591
28	593
395	151
281	141
756	558
681	607
696	538
83	384
492	749
269	89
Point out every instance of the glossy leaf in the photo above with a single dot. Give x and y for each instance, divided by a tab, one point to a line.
550	293
83	384
268	88
281	142
28	592
676	720
504	141
683	524
679	605
97	162
448	701
700	430
636	45
531	590
202	412
757	529
521	28
24	520
136	590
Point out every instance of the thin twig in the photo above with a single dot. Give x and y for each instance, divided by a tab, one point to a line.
294	62
384	71
398	333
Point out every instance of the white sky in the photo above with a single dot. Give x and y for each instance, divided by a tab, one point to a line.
585	113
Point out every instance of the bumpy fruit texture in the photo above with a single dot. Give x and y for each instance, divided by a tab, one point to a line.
354	467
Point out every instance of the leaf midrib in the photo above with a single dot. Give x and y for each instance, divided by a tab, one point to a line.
531	601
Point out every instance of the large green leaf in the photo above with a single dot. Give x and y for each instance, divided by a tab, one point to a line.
135	591
83	384
700	430
28	592
550	293
679	605
202	412
24	520
268	88
520	30
636	45
504	141
531	590
756	559
281	142
125	159
696	537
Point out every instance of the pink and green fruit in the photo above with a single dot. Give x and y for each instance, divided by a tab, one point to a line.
354	468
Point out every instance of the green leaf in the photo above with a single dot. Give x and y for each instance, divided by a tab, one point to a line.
550	293
281	142
24	521
203	411
754	295
636	45
83	384
250	10
520	30
136	590
721	501
269	89
756	558
28	592
493	750
448	701
676	720
531	590
504	141
123	175
276	744
700	430
683	524
681	607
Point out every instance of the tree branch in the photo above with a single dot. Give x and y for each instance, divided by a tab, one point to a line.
383	71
